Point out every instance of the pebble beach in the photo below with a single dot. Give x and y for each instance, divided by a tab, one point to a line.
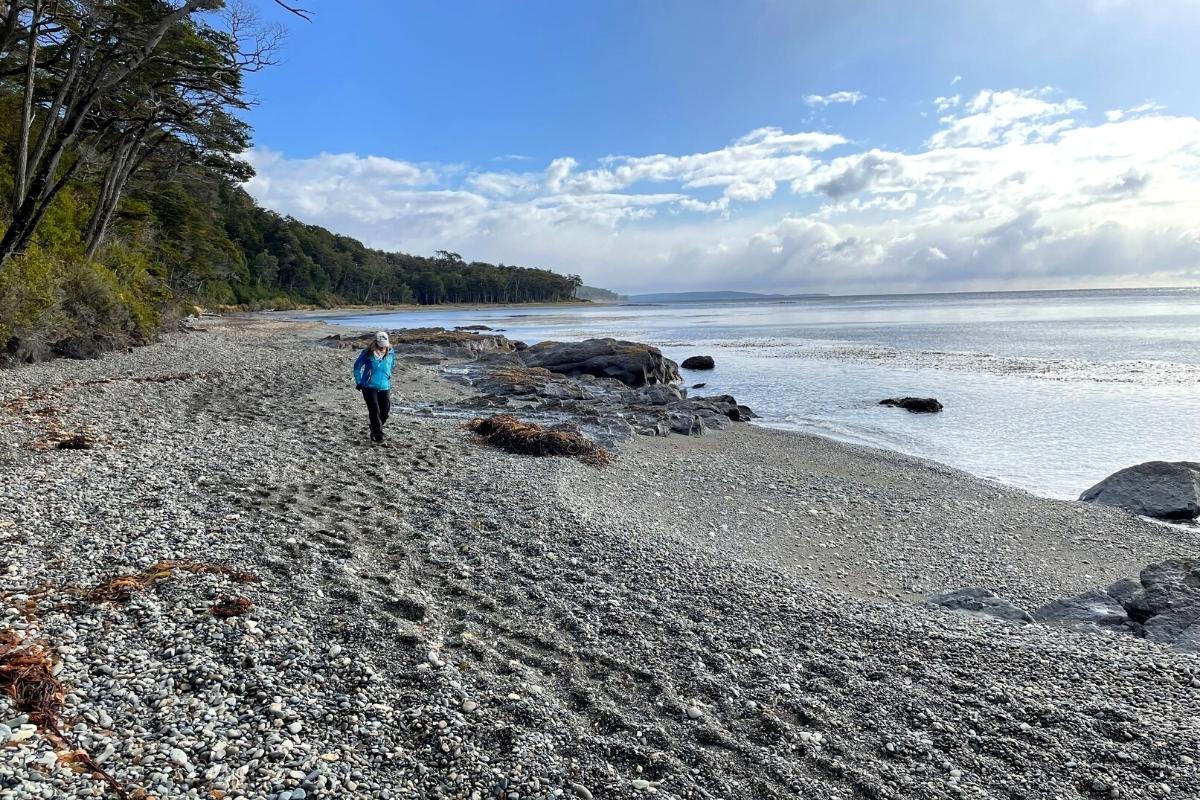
242	597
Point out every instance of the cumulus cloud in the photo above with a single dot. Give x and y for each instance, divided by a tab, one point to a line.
834	98
1011	188
1128	184
1007	116
751	191
853	174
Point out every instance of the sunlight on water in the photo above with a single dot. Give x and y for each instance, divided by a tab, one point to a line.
1041	388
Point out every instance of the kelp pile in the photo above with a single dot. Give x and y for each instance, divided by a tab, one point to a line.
121	588
526	438
227	607
27	677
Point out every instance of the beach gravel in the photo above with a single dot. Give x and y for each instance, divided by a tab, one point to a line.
736	616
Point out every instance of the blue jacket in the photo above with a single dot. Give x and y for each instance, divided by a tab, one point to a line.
371	372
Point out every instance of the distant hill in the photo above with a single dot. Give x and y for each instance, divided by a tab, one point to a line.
709	297
597	295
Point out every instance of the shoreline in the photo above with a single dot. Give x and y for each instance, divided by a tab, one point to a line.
350	311
435	616
957	372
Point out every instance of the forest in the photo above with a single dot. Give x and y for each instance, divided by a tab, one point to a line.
120	185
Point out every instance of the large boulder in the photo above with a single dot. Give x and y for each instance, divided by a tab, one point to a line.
1162	605
979	602
726	406
699	362
687	424
1169	604
1092	608
1124	590
1162	489
917	405
632	363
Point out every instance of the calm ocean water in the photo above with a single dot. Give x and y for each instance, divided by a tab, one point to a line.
1049	391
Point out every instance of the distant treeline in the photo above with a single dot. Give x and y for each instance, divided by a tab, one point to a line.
596	294
282	257
120	176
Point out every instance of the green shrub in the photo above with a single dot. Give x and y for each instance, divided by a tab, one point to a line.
29	293
138	289
56	298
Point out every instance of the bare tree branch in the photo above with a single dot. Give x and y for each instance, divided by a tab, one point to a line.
303	14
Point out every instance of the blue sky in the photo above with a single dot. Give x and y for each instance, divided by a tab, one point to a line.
499	130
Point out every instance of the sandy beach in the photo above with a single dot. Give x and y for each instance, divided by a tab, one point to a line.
738	615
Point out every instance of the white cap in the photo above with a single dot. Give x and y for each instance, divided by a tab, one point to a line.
381	339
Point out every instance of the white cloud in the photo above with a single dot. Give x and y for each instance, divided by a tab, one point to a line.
852	174
1012	116
947	103
751	191
1148	107
822	100
955	79
1013	188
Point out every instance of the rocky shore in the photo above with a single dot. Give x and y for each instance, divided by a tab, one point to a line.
242	597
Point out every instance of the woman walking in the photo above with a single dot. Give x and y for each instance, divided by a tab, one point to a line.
373	377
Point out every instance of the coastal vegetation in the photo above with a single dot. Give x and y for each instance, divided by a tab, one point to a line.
596	294
120	185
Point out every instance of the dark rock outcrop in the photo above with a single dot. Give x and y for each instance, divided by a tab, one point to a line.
1124	590
25	350
80	347
726	406
437	342
631	363
687	424
1162	605
917	405
1168	606
657	395
1092	608
601	404
37	349
1163	489
980	603
699	362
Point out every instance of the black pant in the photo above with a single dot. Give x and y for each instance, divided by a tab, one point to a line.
379	405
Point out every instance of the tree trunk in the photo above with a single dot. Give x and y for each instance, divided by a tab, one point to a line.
8	30
120	154
20	181
51	124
